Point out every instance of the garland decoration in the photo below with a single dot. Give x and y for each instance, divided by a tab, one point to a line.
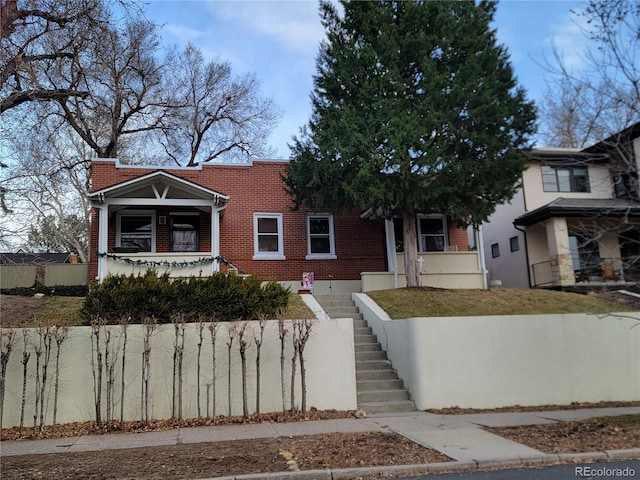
171	264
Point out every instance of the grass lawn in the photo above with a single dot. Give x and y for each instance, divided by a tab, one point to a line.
60	311
430	302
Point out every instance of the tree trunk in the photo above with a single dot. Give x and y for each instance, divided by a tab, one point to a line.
282	332
242	347
7	346
411	266
25	362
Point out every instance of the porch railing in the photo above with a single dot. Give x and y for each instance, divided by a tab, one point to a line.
597	270
601	269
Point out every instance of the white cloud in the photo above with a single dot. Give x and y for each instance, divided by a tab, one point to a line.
295	25
183	34
568	38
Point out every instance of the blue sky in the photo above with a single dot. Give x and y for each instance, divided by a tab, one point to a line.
277	40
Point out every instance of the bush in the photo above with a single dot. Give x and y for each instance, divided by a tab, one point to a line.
56	290
218	297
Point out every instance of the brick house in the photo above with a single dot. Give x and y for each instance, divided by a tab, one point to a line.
184	219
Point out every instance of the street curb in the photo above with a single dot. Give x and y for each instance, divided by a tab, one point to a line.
443	467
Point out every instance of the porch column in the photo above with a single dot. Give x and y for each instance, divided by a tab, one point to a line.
392	258
103	236
215	238
559	252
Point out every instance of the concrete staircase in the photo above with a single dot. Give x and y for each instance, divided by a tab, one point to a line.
379	388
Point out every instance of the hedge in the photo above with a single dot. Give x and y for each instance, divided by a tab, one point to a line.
218	297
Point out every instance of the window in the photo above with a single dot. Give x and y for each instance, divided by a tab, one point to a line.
625	185
514	243
267	236
565	179
184	233
495	250
135	231
432	233
320	240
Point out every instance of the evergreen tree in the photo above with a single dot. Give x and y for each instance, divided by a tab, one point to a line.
415	109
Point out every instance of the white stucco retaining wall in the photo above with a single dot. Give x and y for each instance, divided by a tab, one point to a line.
488	362
329	360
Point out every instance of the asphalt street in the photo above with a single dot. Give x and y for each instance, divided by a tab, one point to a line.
594	471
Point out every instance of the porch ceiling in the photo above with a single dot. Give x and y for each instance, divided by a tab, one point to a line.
580	208
158	188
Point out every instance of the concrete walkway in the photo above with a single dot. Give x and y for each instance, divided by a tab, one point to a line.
460	437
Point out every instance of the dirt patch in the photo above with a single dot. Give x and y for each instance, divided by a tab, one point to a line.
202	460
18	311
594	435
535	408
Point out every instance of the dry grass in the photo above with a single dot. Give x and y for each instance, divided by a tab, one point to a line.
297	308
60	311
431	302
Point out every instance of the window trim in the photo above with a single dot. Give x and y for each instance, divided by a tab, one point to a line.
136	213
572	179
258	255
445	229
332	246
495	250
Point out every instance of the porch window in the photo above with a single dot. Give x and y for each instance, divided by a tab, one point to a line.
565	179
135	231
432	233
267	236
320	239
184	233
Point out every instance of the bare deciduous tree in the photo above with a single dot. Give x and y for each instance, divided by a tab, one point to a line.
215	115
178	322
242	348
282	334
7	340
213	332
231	332
149	326
41	36
258	339
584	105
60	334
26	355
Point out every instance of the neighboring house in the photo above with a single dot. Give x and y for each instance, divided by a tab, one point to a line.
187	220
575	219
24	258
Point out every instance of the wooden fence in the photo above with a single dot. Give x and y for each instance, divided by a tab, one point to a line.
12	276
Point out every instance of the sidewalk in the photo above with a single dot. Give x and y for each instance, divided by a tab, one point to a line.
460	437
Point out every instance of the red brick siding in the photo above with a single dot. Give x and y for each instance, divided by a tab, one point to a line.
458	237
258	188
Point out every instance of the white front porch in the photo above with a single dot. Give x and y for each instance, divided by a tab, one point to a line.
438	269
196	264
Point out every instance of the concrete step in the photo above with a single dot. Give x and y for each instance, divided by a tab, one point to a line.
388	407
376	375
359	323
372	365
365	339
328	301
362	331
375	355
382	396
380	384
368	347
